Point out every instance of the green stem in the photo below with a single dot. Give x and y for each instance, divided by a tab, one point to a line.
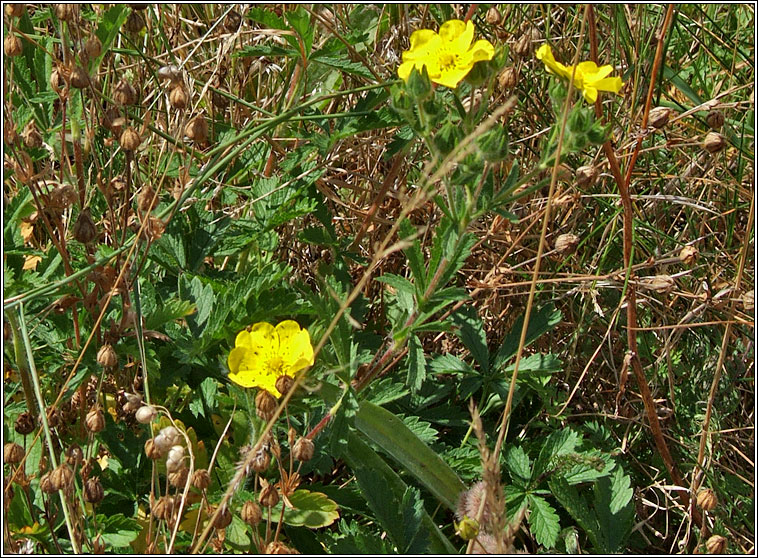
23	370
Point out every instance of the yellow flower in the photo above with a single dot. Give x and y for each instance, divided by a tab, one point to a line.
588	77
266	352
448	56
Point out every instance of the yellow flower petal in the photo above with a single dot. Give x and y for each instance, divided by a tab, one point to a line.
235	358
613	84
588	77
453	29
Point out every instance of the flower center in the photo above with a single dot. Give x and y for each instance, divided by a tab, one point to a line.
447	60
276	365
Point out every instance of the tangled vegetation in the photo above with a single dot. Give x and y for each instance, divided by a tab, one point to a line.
378	279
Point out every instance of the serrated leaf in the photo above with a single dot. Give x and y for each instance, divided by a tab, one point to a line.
172	309
540	322
543	521
471	333
446	364
621	490
614	493
117	530
416	364
406	230
400	284
518	463
311	509
559	442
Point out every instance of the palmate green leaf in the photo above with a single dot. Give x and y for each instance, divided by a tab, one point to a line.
172	309
300	21
382	487
447	364
358	540
560	442
344	64
311	509
518	464
117	530
543	521
389	433
398	283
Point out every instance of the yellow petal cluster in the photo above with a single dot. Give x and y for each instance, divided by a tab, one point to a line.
589	78
447	55
263	352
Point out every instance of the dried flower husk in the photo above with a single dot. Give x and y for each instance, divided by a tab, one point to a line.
12	45
130	139
178	97
265	405
566	244
95	420
93	490
124	93
303	450
62	478
201	479
12	453
223	519
24	423
251	513
714	142
106	356
85	232
93	47
659	117
269	496
15	10
79	78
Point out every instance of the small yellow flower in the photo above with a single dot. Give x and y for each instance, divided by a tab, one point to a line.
266	352
588	77
448	56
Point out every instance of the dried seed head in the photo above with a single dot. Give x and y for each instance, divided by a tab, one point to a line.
86	469
508	78
152	450
93	47
124	93
24	423
303	450
74	455
493	16
134	23
748	300
201	479
15	10
163	508
13	453
171	434
95	420
523	46
154	228
716	544
170	72
586	176
46	484
232	21
93	490
12	45
178	478
278	547
197	129
63	196
133	402
659	117
175	459
31	136
251	513
566	244
130	139
146	414
145	198
261	461
57	82
223	519
658	283
707	500
265	405
714	142
269	496
79	78
67	12
284	384
85	232
688	254
62	478
715	119
106	356
178	97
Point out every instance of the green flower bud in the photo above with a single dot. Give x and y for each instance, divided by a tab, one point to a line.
493	144
447	138
419	86
578	121
598	134
557	92
468	528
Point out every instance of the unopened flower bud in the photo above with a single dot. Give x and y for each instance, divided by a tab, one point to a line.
93	490
12	453
171	434
566	244
85	232
146	414
715	119
659	117
714	142
95	420
468	528
303	450
716	544
201	479
265	405
419	86
251	513
106	356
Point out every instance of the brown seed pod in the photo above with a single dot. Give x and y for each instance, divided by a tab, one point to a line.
284	384
707	500
197	129
46	484
24	423
223	519
62	478
134	23
508	78
201	479
13	453
15	10
79	78
716	544
106	356
63	196
586	176
659	117
278	547
93	47
714	142
493	16
179	478
152	450
130	139
715	119
303	450
145	198
95	420
178	97
232	21
86	469
146	414
251	513
85	232
124	93
688	254
163	508
93	490
74	455
57	81
566	244
269	496
658	283
12	45
67	12
261	461
748	300
265	405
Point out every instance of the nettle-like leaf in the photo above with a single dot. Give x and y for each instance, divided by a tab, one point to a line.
310	509
543	521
